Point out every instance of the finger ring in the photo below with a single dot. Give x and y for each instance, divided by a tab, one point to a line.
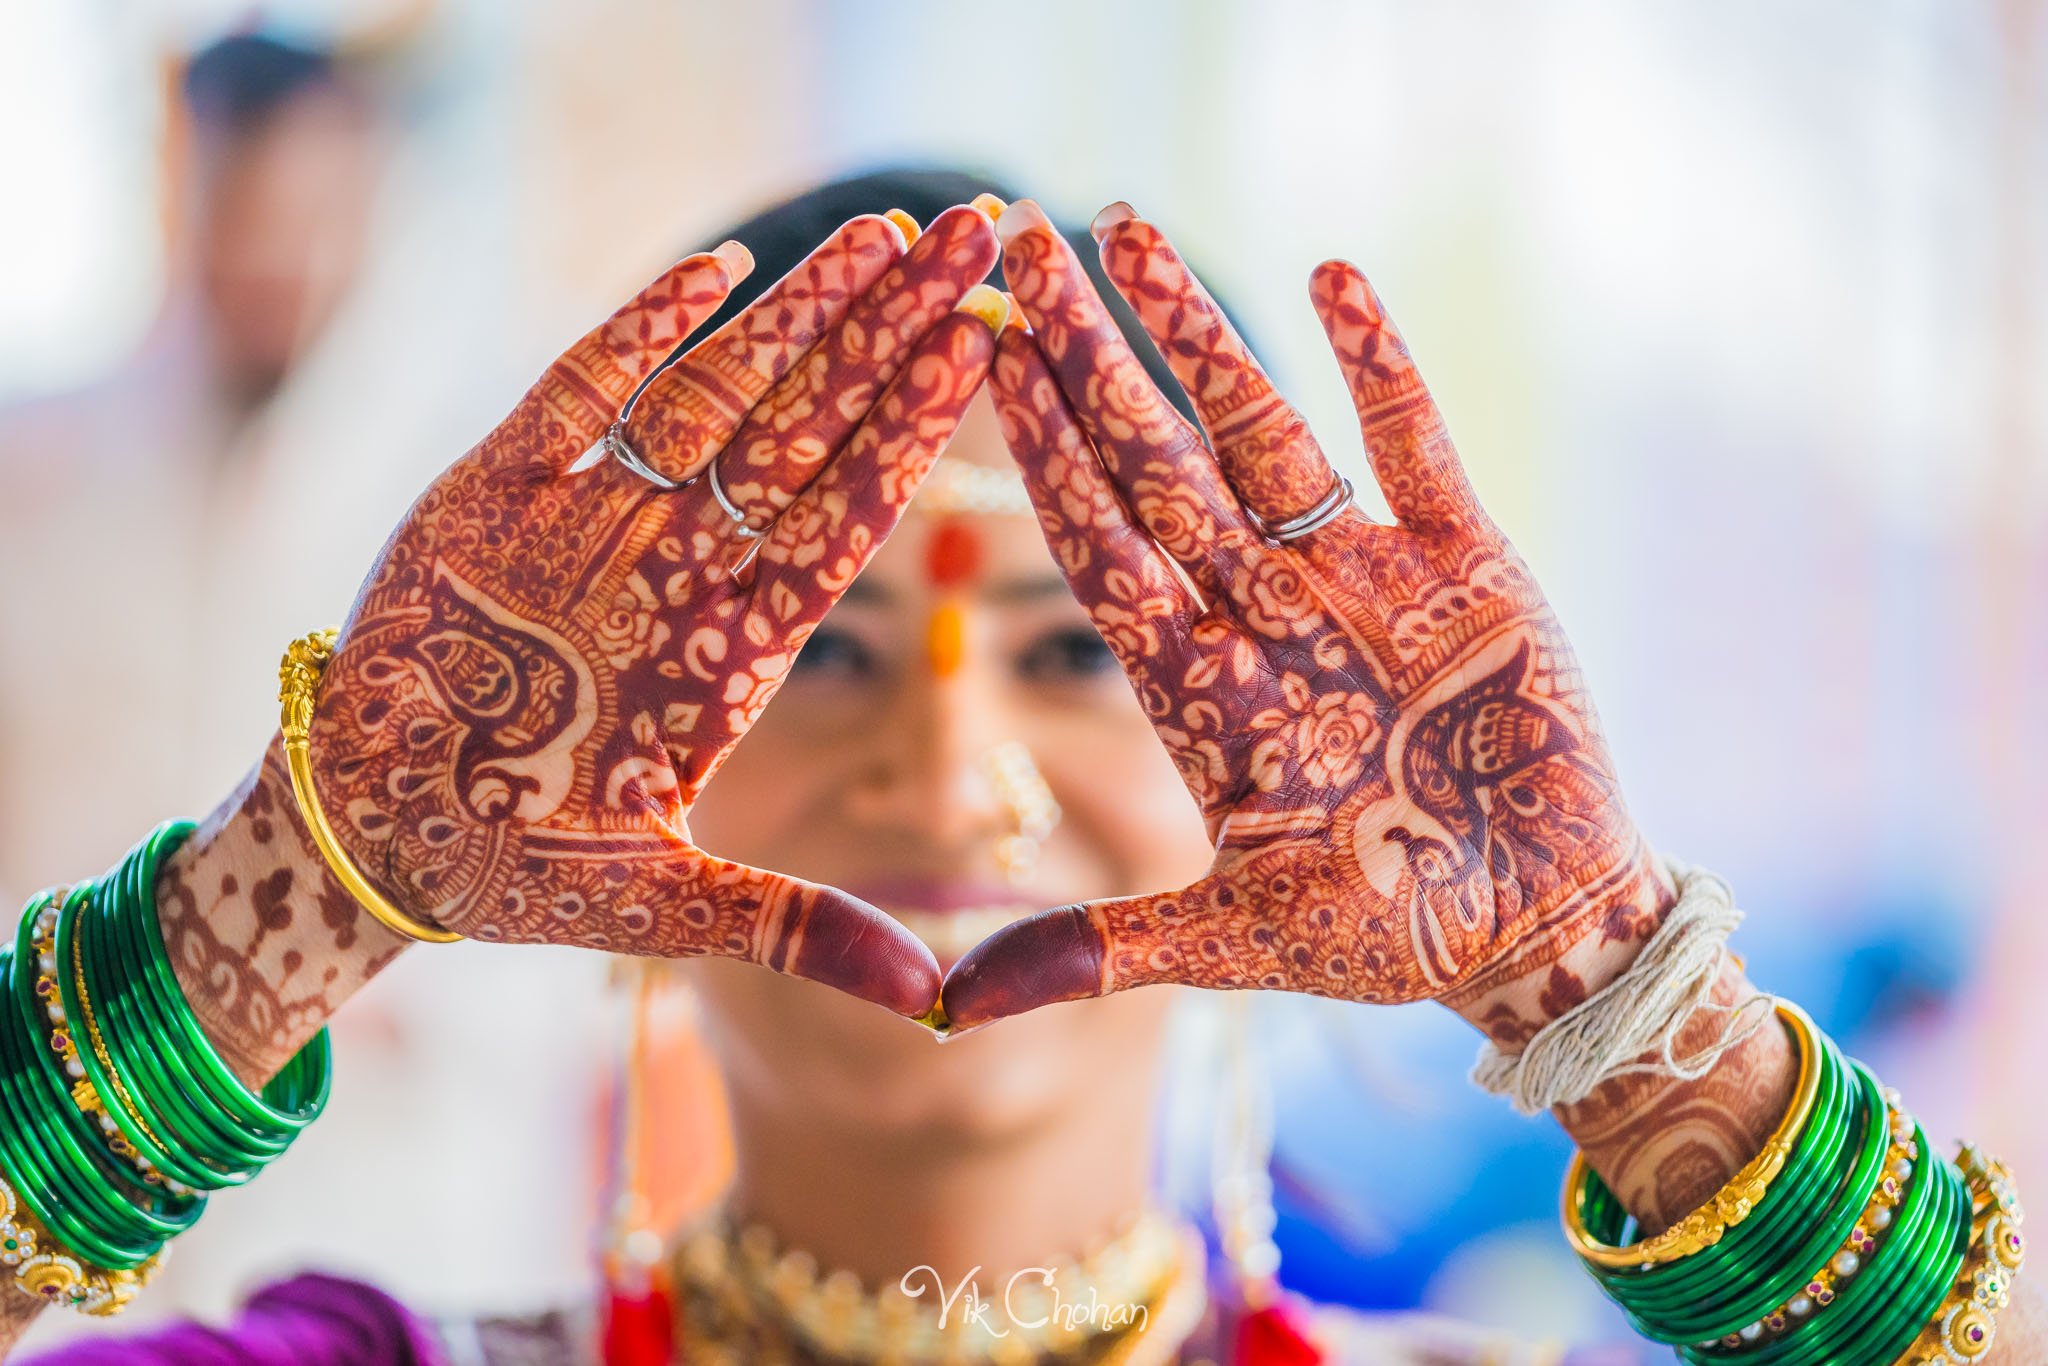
741	527
1327	509
618	448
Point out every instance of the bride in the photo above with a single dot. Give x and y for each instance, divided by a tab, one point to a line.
551	702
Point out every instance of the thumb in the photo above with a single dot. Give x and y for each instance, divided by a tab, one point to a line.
1074	952
806	929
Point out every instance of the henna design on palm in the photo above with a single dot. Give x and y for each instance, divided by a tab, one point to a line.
546	666
1383	725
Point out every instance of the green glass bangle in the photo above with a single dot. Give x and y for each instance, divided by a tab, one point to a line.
1926	1284
240	1143
31	1154
292	1099
1813	1166
132	908
1829	1335
1887	1301
1811	1173
175	1064
141	1124
106	1187
102	1188
1775	1276
155	1065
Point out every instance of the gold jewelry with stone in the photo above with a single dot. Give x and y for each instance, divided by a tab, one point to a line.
1855	1252
1034	812
64	1042
1728	1206
741	1299
45	1270
1967	1326
298	676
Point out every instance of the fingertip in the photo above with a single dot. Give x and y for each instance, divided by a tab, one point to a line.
1056	955
1017	321
991	206
738	260
987	303
905	225
1021	217
861	950
1119	212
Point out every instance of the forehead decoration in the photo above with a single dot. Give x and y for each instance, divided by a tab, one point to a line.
954	494
954	487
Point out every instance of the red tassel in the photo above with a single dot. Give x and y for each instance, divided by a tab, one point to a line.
638	1328
1274	1336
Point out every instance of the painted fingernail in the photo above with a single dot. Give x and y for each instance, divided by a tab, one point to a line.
1021	216
1017	320
989	205
987	303
1119	212
905	224
737	258
935	1019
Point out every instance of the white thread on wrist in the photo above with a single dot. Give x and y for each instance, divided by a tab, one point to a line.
1641	1011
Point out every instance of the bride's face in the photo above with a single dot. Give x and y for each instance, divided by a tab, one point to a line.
871	771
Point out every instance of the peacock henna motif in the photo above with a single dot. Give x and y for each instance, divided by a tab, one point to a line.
1383	725
549	663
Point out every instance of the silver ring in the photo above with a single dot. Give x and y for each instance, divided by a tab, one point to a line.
621	450
740	524
1327	509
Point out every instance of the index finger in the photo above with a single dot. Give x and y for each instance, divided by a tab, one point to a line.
692	408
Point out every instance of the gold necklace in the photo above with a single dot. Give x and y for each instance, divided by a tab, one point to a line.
1133	1301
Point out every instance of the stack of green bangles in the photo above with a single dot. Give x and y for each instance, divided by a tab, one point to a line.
1843	1247
117	1113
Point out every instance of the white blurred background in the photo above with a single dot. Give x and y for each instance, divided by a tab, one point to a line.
1737	312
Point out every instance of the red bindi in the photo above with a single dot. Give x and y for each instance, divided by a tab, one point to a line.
954	553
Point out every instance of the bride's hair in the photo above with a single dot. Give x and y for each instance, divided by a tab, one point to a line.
782	235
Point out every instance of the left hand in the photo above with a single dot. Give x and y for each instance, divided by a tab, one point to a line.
1383	725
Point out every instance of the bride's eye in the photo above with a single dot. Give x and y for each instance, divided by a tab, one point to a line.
1070	654
834	654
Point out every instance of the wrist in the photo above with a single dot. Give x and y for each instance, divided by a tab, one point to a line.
1663	1144
1591	940
265	942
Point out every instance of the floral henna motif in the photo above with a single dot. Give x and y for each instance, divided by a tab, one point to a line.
1384	726
546	666
781	445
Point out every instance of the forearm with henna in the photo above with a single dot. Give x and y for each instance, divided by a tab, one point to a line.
265	942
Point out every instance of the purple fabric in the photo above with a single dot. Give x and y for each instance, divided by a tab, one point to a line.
310	1320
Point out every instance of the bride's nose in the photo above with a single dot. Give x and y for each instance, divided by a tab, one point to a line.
926	768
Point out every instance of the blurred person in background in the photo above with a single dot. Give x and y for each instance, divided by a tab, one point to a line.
275	168
215	458
543	676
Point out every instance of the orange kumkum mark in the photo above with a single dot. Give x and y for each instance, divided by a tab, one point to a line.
945	638
953	556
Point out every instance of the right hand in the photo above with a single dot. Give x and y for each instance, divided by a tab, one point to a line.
1383	724
544	668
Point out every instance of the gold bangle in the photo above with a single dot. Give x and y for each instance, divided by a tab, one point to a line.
45	1270
1728	1206
1966	1325
298	679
